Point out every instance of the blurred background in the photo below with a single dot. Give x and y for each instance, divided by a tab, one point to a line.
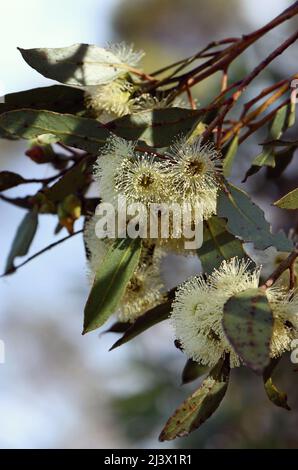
59	389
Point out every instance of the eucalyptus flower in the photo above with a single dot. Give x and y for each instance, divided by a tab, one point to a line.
198	313
114	98
140	178
111	100
122	171
193	170
107	166
126	53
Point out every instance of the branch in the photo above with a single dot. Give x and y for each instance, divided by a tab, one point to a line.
47	248
284	265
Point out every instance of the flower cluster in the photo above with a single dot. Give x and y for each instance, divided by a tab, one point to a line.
116	98
187	173
198	312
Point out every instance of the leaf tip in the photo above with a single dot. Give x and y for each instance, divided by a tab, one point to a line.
115	345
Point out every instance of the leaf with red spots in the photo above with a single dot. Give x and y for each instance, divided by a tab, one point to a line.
196	409
248	324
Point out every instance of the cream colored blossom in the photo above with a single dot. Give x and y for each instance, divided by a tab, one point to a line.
126	53
147	101
111	100
121	171
193	171
140	178
198	312
115	99
108	164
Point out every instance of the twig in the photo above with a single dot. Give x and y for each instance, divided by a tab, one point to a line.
23	202
284	265
52	245
256	125
190	98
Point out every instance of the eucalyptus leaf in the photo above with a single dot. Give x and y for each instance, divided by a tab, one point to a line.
279	123
246	220
86	134
218	245
73	182
230	155
265	158
157	128
23	239
196	409
8	180
111	279
277	397
289	201
192	371
147	320
283	158
248	324
59	98
76	65
268	155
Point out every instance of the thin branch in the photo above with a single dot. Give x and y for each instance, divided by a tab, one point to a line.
258	124
23	202
44	250
284	265
190	98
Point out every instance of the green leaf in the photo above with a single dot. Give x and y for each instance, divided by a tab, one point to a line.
248	324
282	143
118	327
289	201
246	220
277	397
86	134
265	158
192	371
145	321
230	156
22	239
279	123
196	409
157	127
268	155
72	182
282	159
76	65
110	282
291	116
8	179
57	98
218	244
